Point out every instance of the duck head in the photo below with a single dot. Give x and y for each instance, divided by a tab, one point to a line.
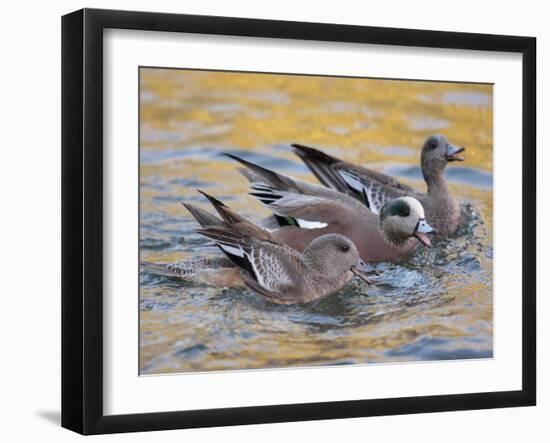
333	255
402	219
436	153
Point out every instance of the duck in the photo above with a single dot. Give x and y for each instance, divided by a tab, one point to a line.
374	189
213	271
305	211
274	270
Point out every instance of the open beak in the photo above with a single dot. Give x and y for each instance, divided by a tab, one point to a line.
360	269
421	231
452	153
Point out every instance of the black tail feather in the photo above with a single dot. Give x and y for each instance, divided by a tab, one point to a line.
271	177
307	152
204	218
226	236
321	165
223	210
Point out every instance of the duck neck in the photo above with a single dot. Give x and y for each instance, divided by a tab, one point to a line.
318	268
436	181
392	236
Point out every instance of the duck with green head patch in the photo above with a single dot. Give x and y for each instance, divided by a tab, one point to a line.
373	188
316	210
402	216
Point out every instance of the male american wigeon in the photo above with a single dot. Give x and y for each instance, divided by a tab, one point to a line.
374	189
276	271
306	211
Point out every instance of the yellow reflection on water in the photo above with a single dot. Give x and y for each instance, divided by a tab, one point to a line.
188	117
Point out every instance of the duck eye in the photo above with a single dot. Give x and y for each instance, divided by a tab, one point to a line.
344	248
404	212
433	144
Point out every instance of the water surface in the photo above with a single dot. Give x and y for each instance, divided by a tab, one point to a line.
437	305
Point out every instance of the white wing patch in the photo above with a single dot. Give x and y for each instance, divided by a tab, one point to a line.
232	250
274	199
352	181
265	194
372	191
307	224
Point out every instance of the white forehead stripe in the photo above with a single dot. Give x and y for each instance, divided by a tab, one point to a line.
415	205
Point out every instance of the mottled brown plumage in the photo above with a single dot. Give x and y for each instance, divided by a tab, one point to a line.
276	271
212	271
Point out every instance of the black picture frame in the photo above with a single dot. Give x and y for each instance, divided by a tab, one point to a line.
82	219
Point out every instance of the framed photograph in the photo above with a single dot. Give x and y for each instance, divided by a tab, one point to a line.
268	221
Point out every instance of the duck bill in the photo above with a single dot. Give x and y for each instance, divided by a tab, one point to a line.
365	267
423	238
423	229
360	269
452	153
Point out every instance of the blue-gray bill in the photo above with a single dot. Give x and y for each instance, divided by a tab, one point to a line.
421	232
361	269
452	153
